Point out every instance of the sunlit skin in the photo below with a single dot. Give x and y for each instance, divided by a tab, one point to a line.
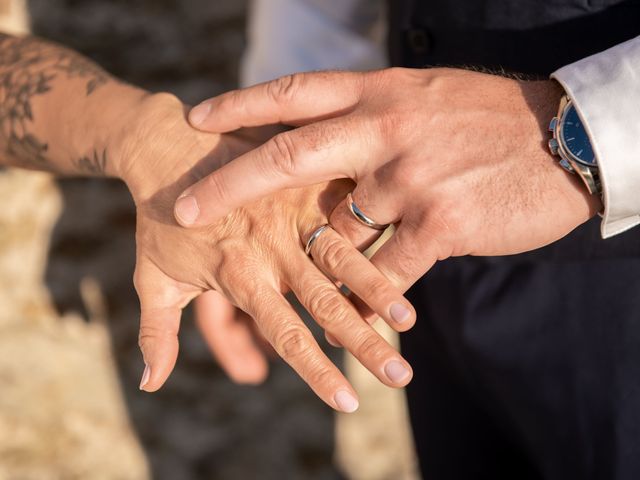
60	112
456	159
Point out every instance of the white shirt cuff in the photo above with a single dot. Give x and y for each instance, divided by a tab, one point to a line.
605	89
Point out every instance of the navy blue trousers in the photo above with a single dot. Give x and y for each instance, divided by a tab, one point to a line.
529	366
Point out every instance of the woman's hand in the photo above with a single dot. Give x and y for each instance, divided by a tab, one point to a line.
456	159
252	256
233	338
59	111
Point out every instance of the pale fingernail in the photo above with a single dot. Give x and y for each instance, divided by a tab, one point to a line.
145	376
399	313
346	402
396	371
331	340
199	113
187	210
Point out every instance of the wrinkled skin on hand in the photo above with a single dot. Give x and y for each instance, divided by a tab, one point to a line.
252	256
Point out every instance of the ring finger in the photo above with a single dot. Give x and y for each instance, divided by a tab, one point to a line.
343	262
369	202
334	313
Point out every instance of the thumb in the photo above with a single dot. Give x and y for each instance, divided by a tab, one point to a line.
161	303
158	340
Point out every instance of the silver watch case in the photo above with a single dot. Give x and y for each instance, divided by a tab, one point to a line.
589	175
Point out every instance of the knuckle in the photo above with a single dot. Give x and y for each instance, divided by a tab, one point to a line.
395	72
370	347
229	102
293	342
334	254
216	190
394	76
234	261
377	287
284	89
280	154
386	80
320	376
327	308
254	297
231	268
151	333
406	76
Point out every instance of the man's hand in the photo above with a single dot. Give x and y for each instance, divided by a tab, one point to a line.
252	256
456	159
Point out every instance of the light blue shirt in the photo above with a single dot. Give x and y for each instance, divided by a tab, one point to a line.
288	36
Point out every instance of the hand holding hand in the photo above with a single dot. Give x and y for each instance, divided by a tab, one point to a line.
456	159
252	256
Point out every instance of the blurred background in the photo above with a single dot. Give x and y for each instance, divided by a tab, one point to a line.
69	361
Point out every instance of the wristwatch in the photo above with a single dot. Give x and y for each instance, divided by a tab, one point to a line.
571	143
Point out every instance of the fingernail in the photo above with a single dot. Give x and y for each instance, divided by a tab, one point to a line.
396	371
145	376
187	210
399	313
199	113
331	340
346	402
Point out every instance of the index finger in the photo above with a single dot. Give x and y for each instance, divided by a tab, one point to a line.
296	99
309	155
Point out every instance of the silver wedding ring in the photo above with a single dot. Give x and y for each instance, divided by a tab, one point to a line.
314	236
361	217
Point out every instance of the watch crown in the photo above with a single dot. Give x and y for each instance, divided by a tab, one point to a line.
567	166
553	146
553	124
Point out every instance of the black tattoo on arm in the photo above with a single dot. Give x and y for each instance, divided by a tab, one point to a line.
76	66
28	67
95	164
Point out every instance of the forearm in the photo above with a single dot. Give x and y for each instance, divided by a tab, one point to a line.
59	111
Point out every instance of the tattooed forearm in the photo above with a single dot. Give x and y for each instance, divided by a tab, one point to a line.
29	68
76	66
95	164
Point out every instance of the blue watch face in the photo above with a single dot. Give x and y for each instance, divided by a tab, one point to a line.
575	138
